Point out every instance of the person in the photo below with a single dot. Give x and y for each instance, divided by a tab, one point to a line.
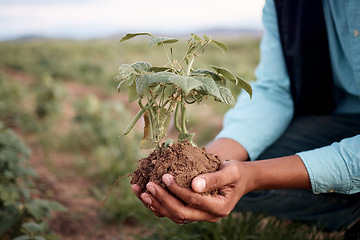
293	150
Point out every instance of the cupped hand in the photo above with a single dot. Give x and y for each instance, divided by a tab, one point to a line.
185	204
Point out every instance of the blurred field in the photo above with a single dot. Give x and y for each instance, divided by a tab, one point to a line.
59	96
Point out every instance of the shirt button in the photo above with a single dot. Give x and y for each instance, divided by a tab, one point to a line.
356	33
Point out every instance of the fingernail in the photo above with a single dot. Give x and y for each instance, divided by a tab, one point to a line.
151	189
199	184
166	179
134	188
146	199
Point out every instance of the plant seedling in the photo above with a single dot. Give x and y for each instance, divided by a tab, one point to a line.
163	91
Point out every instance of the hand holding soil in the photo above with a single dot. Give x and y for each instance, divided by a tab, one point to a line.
183	203
181	160
234	179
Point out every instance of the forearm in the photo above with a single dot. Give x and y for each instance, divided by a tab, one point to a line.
227	149
278	173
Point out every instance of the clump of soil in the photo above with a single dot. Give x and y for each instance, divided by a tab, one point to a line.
181	160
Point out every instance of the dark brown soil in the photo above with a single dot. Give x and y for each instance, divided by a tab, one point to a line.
181	160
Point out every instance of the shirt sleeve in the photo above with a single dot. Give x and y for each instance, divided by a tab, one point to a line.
256	123
334	168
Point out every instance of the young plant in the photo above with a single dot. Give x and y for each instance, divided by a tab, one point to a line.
22	215
163	91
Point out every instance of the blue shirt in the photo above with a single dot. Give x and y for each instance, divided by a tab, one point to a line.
257	123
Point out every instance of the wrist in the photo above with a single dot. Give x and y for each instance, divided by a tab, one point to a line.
227	149
277	173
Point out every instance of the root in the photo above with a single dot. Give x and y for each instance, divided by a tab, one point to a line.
112	186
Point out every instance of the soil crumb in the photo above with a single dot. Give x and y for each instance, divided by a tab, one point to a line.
181	160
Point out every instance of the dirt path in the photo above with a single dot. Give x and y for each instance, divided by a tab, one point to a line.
81	220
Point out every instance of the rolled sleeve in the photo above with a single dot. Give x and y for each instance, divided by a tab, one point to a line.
334	168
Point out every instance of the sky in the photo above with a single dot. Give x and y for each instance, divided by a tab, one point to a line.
84	19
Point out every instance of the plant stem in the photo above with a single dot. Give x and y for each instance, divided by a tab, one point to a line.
167	55
183	114
190	65
154	136
176	117
170	60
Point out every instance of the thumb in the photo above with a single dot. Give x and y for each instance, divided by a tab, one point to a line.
210	181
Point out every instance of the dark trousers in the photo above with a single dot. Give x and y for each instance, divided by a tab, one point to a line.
330	211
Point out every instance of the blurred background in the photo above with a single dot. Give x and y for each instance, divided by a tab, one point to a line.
84	19
61	154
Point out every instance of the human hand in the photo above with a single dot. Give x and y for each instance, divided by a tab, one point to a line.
234	179
188	204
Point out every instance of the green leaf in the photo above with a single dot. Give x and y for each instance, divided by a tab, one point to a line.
225	94
159	69
55	206
9	194
161	77
142	82
41	208
160	40
245	85
131	35
185	136
215	76
34	227
196	38
132	91
186	83
226	74
119	86
141	67
222	46
36	210
208	86
125	73
9	216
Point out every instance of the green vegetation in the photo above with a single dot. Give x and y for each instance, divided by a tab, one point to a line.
21	215
243	226
60	97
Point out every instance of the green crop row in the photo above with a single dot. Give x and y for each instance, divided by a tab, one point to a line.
22	216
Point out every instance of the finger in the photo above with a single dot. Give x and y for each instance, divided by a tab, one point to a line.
138	192
224	203
148	200
227	175
154	205
156	213
136	189
168	205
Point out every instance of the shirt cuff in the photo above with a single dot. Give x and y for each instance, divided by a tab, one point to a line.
327	170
